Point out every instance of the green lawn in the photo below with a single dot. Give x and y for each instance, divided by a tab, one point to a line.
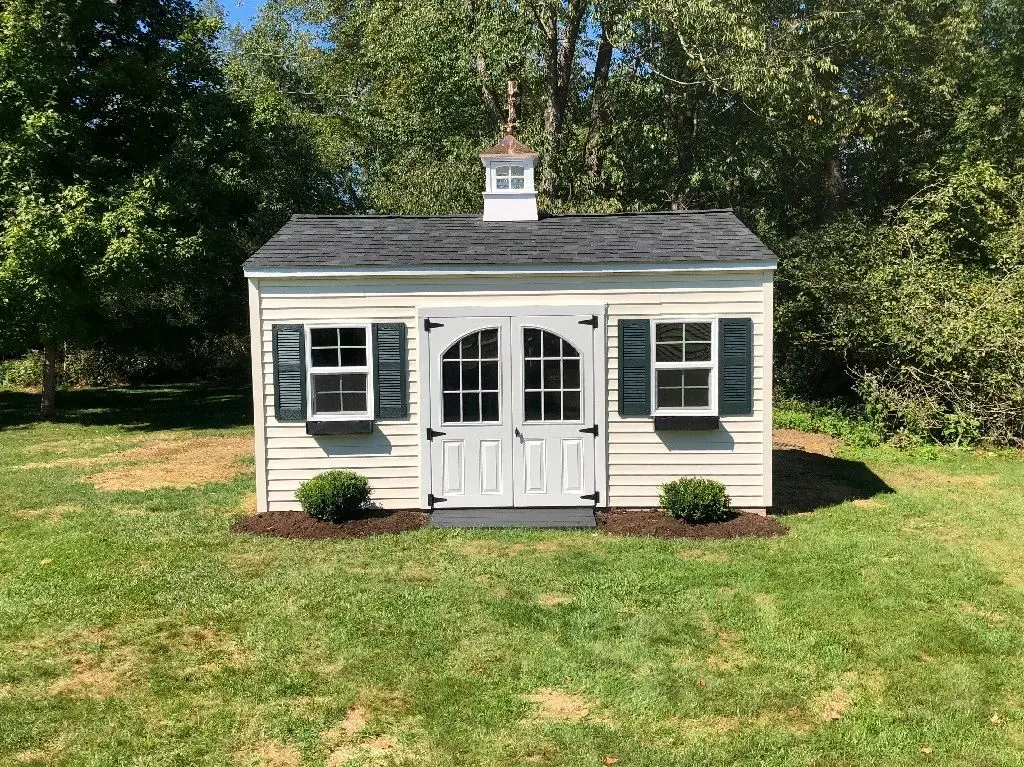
135	629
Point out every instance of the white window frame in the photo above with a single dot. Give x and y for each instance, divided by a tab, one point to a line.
366	415
527	177
712	408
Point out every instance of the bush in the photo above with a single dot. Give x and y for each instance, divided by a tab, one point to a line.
334	496
695	499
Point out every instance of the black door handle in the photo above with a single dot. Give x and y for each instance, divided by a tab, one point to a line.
519	434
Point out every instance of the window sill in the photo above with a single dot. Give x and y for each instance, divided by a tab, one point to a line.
317	428
686	422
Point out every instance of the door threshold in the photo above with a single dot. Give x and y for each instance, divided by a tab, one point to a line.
551	518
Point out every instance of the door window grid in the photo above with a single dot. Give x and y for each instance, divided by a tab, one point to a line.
684	361
552	380
470	388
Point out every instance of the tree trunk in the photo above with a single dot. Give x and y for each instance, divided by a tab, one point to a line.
562	39
598	113
48	408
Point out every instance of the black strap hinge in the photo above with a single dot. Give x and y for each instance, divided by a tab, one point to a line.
592	321
428	324
594	496
432	499
431	433
590	430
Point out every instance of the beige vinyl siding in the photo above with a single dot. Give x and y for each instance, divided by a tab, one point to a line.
639	459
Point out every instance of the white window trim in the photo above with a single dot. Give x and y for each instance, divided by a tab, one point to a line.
712	408
367	368
492	177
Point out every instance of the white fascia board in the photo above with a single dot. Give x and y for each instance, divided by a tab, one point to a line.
523	269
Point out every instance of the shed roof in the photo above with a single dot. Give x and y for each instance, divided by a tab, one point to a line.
315	242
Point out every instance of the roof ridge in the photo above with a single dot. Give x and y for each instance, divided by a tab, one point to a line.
424	216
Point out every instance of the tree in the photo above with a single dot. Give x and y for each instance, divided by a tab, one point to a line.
132	183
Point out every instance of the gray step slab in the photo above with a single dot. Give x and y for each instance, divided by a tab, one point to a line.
570	518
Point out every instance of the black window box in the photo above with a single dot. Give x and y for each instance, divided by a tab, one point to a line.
315	428
686	422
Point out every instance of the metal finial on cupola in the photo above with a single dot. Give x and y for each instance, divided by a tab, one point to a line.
513	94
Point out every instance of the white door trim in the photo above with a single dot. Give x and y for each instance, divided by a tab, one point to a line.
601	408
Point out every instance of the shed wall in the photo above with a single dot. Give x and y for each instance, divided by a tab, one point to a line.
639	459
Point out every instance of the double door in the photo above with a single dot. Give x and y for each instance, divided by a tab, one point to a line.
512	410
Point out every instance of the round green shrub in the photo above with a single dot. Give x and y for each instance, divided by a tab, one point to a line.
334	496
695	499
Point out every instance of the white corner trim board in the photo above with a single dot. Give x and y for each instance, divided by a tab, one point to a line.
525	269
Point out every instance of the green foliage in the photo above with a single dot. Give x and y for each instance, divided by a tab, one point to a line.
334	496
695	499
844	423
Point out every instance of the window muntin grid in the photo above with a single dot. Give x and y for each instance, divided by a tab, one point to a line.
510	177
552	377
684	365
470	379
339	371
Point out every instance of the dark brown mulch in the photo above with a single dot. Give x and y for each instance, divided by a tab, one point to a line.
655	523
298	524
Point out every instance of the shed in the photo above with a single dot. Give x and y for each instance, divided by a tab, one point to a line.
513	360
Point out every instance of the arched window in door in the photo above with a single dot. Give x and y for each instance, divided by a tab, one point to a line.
470	384
552	385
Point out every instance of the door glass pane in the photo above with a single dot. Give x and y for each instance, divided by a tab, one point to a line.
489	375
532	406
571	405
489	409
552	385
470	407
470	376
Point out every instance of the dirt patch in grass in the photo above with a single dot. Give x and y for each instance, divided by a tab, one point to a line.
483	547
175	463
354	721
49	513
657	524
700	555
790	439
729	654
248	505
298	524
550	600
831	706
89	680
556	705
269	753
370	750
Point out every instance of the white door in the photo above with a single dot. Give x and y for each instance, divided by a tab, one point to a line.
470	427
554	430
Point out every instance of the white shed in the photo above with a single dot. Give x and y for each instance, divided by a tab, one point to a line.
513	360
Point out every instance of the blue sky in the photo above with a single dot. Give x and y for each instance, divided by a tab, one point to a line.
241	11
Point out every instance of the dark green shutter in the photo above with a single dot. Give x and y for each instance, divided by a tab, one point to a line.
634	367
736	366
390	371
289	348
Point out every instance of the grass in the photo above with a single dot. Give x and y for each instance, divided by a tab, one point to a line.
885	629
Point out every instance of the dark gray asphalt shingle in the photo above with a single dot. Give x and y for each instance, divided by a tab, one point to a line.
397	241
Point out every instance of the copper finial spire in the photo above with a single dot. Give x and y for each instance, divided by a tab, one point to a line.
513	92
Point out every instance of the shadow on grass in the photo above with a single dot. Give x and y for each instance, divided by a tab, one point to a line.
145	408
806	481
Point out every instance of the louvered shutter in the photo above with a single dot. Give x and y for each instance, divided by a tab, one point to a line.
634	367
289	350
390	371
736	366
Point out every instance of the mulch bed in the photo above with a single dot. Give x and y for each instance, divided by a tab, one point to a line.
654	523
298	524
647	523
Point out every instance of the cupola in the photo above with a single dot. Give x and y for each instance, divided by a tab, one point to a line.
510	193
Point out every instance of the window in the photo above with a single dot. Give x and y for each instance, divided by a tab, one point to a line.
552	387
339	372
509	177
470	392
685	359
